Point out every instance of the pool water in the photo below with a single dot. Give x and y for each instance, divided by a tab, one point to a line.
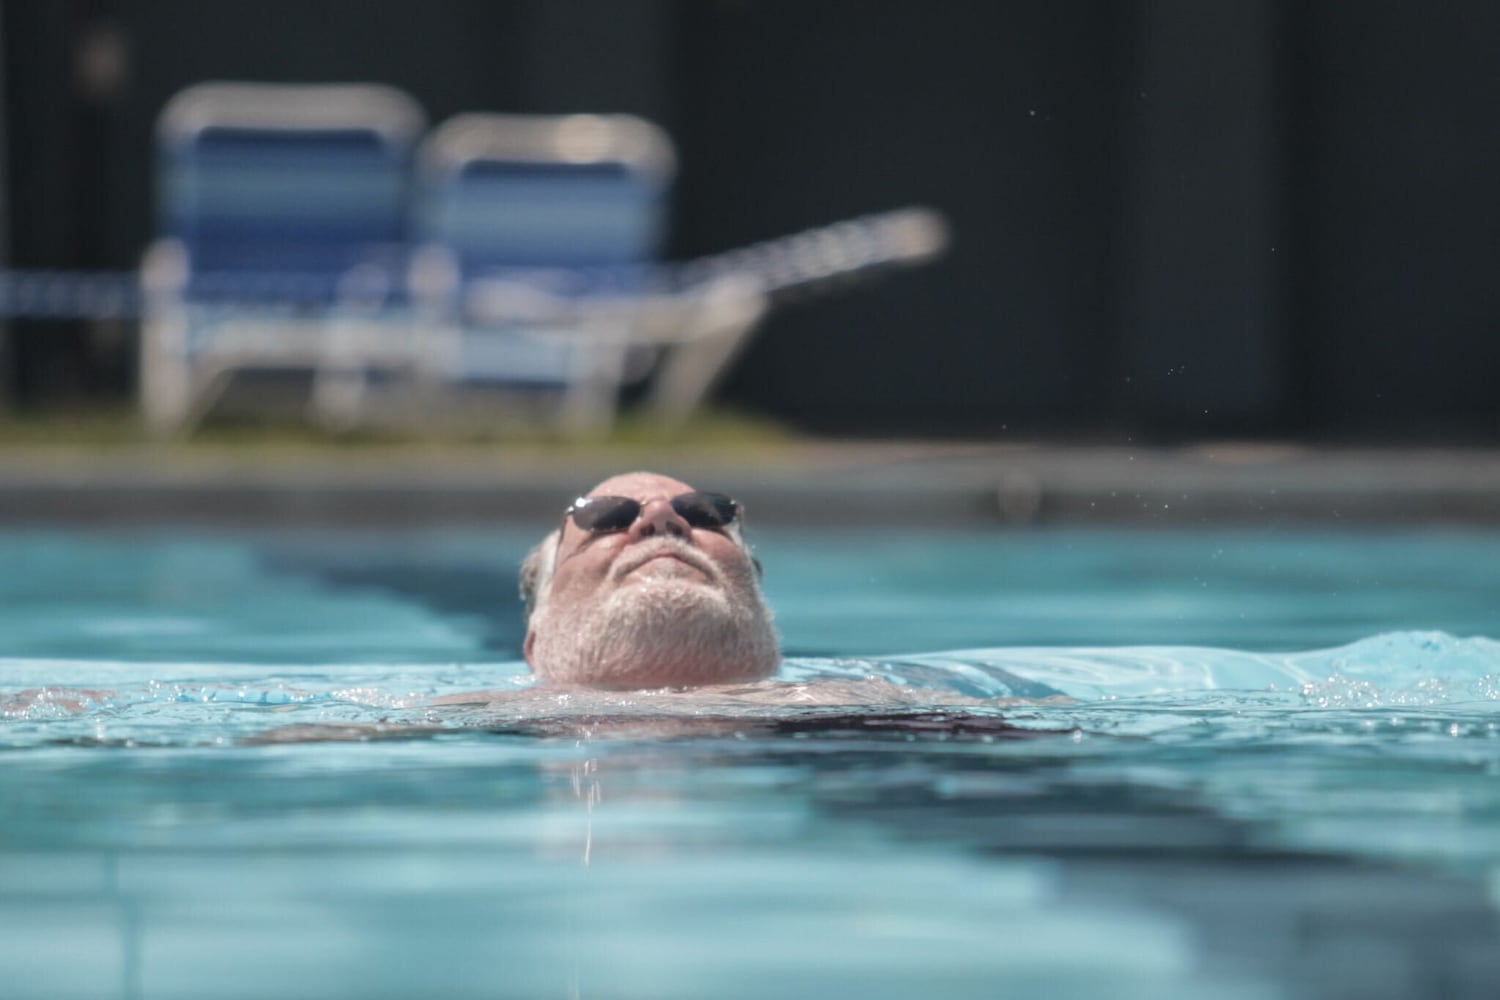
1275	773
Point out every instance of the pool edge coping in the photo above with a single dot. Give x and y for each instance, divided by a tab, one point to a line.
813	483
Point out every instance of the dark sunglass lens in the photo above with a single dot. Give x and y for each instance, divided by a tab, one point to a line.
606	514
706	510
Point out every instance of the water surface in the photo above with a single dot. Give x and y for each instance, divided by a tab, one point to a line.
1275	771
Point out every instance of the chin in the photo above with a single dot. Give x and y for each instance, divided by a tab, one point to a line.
659	633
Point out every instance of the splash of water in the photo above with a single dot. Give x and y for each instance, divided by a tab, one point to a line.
188	703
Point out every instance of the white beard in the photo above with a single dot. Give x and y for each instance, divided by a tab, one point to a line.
659	631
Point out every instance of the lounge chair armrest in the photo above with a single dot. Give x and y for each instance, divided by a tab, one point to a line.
496	301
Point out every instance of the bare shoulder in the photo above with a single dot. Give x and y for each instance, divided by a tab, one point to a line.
860	693
49	700
475	698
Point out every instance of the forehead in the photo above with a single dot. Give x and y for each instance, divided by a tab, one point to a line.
641	486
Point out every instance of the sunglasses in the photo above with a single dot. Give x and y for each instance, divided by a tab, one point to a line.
603	515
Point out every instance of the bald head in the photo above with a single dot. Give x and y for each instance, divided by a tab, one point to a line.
668	597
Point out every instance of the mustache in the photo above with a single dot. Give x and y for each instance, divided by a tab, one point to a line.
643	552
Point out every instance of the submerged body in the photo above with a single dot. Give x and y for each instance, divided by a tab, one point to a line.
830	705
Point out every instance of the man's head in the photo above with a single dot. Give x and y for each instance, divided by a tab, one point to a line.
666	597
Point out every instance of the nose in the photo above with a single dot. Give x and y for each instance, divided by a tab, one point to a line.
658	518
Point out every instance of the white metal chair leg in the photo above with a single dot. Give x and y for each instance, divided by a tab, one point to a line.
730	313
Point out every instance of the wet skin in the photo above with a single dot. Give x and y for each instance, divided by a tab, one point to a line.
592	565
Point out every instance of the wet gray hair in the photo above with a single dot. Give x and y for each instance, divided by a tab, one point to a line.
536	573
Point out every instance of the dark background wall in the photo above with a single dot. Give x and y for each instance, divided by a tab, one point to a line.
1172	219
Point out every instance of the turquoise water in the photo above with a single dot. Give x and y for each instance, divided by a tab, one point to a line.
1275	773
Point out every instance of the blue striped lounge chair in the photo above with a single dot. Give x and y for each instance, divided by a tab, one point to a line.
282	213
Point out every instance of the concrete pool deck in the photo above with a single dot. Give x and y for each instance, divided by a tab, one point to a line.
804	481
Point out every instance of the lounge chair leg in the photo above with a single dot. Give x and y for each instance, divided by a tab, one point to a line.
164	373
690	370
338	397
588	406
